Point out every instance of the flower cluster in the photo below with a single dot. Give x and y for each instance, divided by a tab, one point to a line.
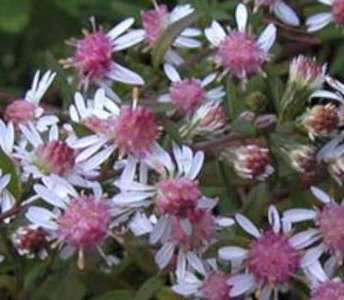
215	141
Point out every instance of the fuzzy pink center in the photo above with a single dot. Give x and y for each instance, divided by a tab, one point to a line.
136	131
338	12
215	287
177	196
154	22
329	290
92	57
241	55
187	94
19	112
84	222
271	259
307	69
331	225
55	157
30	239
101	126
203	228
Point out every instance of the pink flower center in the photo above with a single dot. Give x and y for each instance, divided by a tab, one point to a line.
214	286
19	112
30	239
101	126
203	228
241	55
329	290
84	222
307	69
136	131
187	94
177	196
338	12
154	22
92	57
271	258
331	224
55	157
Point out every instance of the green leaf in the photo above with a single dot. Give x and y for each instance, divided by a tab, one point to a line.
116	295
171	33
171	129
14	15
166	294
149	288
7	166
235	105
61	79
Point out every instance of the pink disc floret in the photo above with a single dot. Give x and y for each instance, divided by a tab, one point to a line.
84	222
338	12
331	224
55	157
187	94
271	259
329	290
136	131
93	56
154	22
177	196
215	287
203	229
20	112
240	54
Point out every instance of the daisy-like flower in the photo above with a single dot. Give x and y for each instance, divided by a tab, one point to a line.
321	20
328	231
28	109
77	222
322	287
282	10
113	128
92	58
188	94
185	221
42	158
30	241
269	262
155	22
238	51
210	285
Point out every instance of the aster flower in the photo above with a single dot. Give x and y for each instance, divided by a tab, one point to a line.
155	21
77	221
282	10
28	109
30	241
209	285
41	157
269	262
321	20
238	52
327	231
92	58
188	94
184	219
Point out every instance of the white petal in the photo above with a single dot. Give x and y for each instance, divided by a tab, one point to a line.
318	21
41	217
215	33
171	73
321	195
164	255
299	214
327	95
312	255
274	219
224	222
122	74
267	37
232	253
195	262
209	79
241	17
247	225
180	11
120	28
304	239
240	284
286	13
49	196
126	198
184	42
196	165
130	39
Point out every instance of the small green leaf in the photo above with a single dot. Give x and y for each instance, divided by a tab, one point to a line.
7	167
171	129
166	40
149	288
256	202
166	294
